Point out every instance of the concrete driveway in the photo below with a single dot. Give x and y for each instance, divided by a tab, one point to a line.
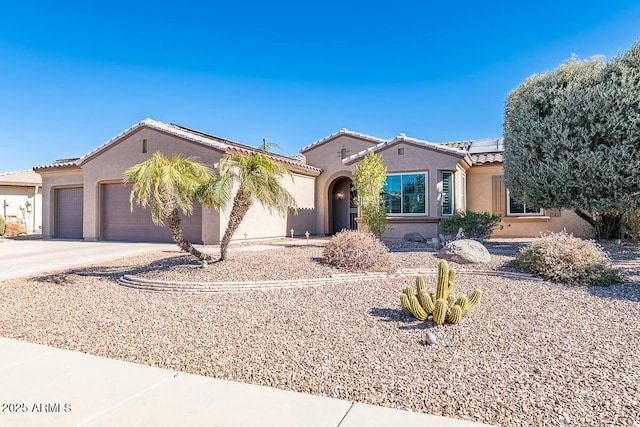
28	257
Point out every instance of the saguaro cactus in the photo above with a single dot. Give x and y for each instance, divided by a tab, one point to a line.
444	305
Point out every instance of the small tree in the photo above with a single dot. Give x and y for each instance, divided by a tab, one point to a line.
571	139
369	180
256	177
167	186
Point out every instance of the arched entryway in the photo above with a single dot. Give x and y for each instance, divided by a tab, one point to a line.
342	205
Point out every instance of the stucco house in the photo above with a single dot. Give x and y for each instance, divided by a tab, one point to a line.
21	198
85	197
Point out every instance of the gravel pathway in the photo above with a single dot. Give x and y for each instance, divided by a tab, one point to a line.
533	353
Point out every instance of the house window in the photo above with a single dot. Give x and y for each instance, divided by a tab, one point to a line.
406	193
447	193
400	151
343	153
517	208
144	145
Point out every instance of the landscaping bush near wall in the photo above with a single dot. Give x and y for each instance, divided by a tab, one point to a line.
2	225
476	225
14	229
631	224
354	250
560	257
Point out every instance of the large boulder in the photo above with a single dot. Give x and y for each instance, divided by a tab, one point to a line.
414	237
465	251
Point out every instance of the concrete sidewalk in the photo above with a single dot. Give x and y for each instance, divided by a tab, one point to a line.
46	386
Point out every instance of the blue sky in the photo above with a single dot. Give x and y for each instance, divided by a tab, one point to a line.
75	74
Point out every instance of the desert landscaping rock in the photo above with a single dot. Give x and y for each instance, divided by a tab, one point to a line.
533	353
465	251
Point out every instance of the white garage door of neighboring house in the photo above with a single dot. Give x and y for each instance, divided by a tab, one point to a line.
68	213
119	223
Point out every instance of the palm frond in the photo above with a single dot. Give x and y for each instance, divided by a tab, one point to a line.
162	184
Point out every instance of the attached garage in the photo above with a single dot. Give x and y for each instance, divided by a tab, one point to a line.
68	213
121	224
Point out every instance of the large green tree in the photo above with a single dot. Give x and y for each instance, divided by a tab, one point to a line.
254	176
369	180
572	139
167	186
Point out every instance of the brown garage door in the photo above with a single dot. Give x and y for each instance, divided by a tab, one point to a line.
119	223
68	213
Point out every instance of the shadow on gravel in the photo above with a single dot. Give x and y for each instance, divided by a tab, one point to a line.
505	248
398	316
623	292
508	248
403	246
114	272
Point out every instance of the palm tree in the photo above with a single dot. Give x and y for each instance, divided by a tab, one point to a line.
256	176
167	186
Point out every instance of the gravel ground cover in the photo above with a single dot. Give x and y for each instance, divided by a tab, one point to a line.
533	353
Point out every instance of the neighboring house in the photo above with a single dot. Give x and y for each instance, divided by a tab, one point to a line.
21	198
85	197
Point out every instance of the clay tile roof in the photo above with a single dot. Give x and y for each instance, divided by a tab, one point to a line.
489	150
403	138
460	145
343	131
62	163
213	141
480	159
25	178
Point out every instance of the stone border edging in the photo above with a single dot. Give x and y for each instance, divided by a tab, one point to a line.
141	283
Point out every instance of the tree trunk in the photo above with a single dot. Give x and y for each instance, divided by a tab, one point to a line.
175	225
241	205
607	225
586	217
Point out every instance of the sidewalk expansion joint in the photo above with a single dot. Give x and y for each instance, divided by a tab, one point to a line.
125	401
345	414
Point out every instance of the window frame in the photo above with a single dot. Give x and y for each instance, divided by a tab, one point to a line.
524	205
425	173
451	195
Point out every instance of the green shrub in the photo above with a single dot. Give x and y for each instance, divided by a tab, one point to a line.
631	224
476	225
354	250
560	257
14	229
1	225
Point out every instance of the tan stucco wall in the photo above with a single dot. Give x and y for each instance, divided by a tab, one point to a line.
397	228
110	165
327	157
479	199
460	189
51	180
420	159
260	224
13	205
303	190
